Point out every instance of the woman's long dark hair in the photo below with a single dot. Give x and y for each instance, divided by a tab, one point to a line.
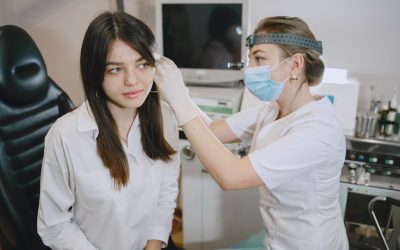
100	35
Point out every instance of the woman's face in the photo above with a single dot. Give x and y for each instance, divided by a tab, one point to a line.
272	55
128	77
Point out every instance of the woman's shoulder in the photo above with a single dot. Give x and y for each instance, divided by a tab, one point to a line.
66	124
317	113
322	124
325	113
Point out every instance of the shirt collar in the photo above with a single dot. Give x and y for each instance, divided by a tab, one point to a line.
87	123
320	104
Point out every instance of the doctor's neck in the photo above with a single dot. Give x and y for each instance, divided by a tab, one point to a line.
293	98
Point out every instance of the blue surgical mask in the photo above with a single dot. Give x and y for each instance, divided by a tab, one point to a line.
259	83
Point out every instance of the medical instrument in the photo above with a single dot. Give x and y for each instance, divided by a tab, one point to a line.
371	169
283	38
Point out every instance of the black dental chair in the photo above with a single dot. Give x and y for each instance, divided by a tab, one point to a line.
30	102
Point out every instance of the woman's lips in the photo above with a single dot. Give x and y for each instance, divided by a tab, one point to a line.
132	94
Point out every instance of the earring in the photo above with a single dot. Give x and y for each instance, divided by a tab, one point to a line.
293	78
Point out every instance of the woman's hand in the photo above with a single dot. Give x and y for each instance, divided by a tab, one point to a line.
173	90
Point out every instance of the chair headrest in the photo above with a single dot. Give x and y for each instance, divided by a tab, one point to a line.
23	74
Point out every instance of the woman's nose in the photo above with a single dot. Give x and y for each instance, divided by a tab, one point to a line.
131	78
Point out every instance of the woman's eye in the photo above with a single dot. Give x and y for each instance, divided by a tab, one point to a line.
114	70
143	65
259	59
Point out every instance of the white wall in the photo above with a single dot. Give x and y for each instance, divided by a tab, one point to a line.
360	35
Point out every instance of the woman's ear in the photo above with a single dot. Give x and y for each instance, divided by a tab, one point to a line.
298	63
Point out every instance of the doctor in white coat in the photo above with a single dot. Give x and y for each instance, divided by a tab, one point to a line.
297	142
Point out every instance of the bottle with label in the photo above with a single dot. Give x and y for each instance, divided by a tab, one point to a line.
397	123
382	120
391	117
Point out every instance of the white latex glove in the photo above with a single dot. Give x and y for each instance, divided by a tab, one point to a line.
173	90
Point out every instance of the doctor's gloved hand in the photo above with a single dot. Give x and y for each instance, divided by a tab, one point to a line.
173	90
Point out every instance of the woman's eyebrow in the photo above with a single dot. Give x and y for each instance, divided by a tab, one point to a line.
120	63
256	51
114	63
140	59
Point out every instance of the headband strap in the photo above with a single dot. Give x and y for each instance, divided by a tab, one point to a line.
280	38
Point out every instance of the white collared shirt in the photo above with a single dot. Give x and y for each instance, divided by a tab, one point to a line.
299	158
79	207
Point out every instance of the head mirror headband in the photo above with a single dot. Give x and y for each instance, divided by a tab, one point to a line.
280	38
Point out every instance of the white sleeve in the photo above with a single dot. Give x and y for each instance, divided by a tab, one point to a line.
308	146
55	215
163	214
243	124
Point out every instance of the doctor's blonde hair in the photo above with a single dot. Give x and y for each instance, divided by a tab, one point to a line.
314	66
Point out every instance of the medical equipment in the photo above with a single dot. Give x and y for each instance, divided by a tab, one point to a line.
203	37
278	38
371	205
258	80
372	168
379	157
213	218
217	102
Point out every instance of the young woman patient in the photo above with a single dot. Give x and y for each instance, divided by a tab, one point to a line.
110	168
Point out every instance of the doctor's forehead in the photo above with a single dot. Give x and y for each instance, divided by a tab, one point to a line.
265	49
